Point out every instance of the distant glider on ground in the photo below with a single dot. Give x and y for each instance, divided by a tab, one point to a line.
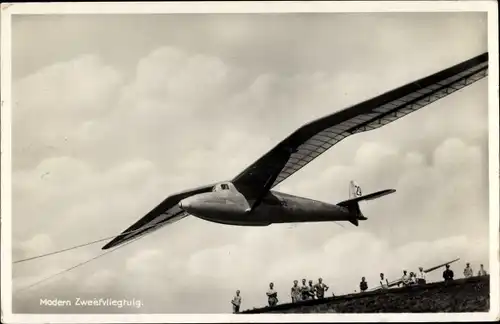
399	281
248	200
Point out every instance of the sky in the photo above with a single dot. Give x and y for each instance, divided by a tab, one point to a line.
113	113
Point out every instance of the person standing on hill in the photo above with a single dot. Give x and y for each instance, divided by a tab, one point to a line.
363	285
320	288
295	292
236	302
405	279
413	279
272	295
421	276
304	290
448	273
481	271
468	271
310	288
384	283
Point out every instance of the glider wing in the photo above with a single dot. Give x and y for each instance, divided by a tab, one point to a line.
311	140
166	212
439	266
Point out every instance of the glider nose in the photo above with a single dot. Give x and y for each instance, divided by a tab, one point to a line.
184	204
196	205
190	204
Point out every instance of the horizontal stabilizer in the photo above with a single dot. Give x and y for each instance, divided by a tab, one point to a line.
371	196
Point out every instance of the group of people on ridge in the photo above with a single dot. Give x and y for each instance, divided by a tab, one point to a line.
308	291
419	277
299	293
468	272
406	280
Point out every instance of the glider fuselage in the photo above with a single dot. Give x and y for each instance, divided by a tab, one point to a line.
231	207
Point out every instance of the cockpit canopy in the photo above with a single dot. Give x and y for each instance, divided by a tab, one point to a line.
221	187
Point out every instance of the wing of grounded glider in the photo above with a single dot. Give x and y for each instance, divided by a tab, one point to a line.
311	140
166	212
400	280
441	265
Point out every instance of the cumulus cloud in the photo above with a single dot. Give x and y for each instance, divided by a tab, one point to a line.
110	146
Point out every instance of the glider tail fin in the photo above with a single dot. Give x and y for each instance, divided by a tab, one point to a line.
355	196
354	190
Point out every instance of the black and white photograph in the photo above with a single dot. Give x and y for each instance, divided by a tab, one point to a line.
246	160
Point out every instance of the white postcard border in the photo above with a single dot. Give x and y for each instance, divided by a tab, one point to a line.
245	7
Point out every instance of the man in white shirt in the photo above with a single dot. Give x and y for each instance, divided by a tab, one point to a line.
236	302
421	276
384	283
405	280
468	271
272	295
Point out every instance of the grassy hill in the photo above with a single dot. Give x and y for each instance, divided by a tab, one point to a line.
463	295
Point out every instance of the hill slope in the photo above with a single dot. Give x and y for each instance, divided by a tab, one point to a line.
463	295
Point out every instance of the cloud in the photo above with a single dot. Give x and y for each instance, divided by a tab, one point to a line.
39	244
109	147
99	282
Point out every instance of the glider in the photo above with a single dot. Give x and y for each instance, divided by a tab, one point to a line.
398	282
247	199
